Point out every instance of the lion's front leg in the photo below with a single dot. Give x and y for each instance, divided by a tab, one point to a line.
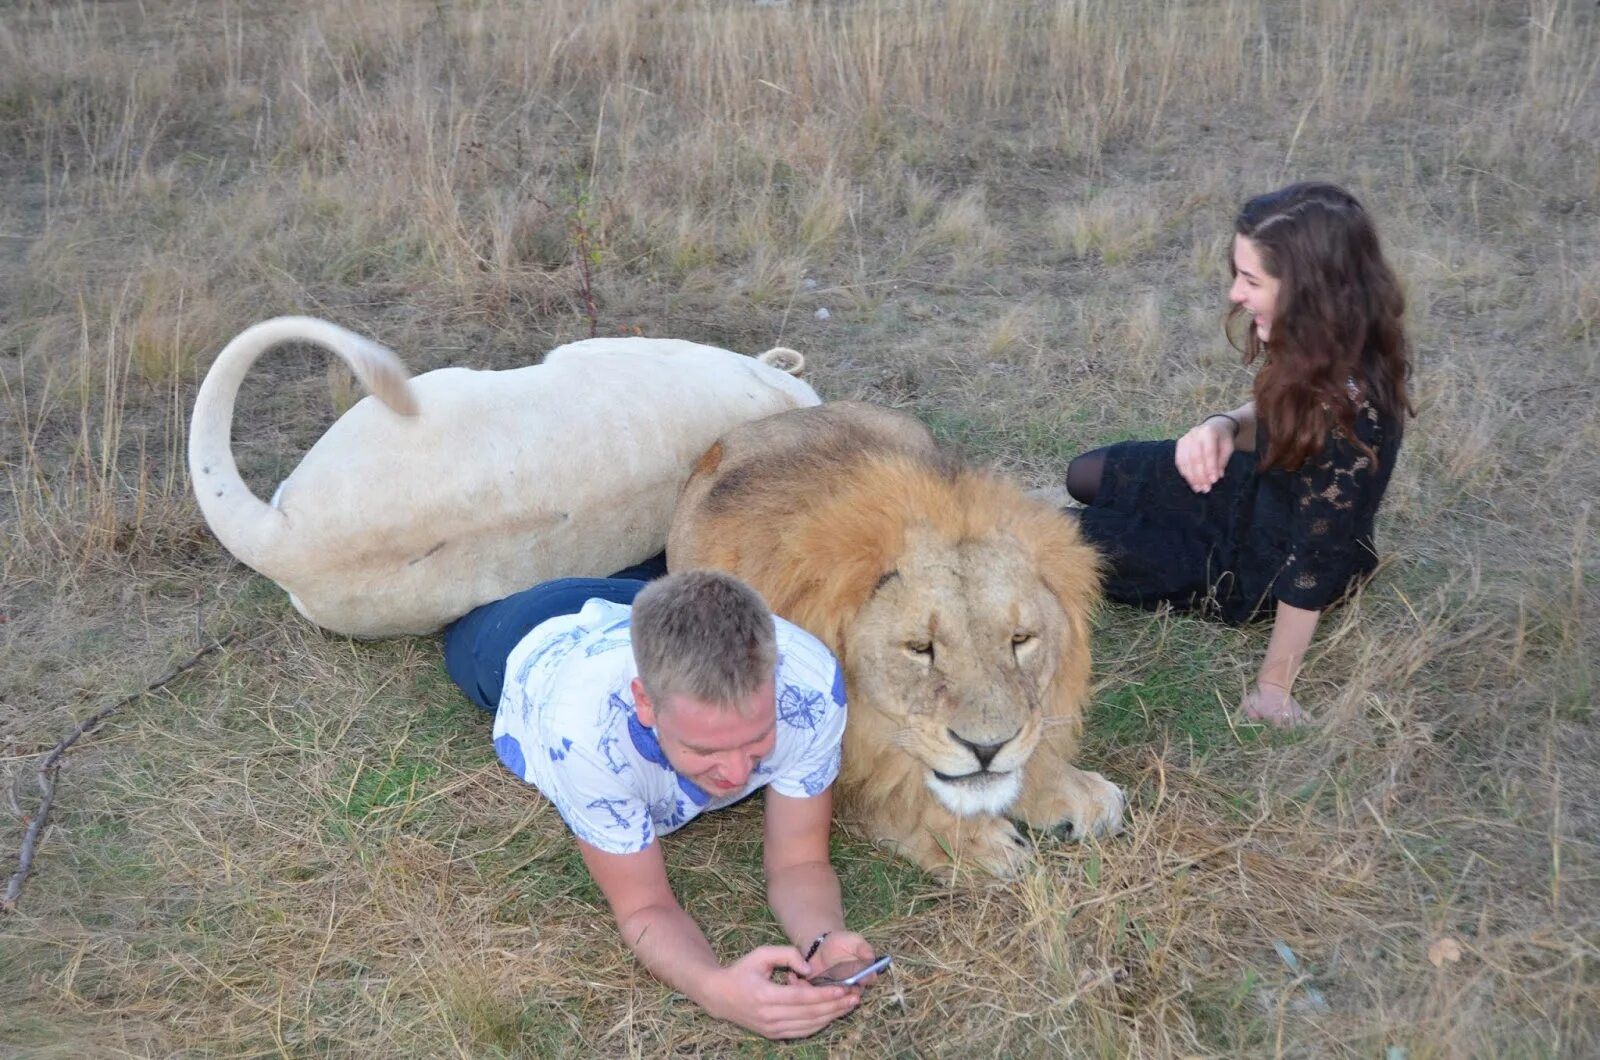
1068	801
939	841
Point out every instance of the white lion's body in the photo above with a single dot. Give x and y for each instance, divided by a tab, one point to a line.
484	482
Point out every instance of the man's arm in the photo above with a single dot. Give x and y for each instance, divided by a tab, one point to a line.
802	888
666	941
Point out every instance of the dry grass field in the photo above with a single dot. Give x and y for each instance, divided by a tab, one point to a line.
1016	213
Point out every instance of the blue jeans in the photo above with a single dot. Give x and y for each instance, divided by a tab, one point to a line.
477	644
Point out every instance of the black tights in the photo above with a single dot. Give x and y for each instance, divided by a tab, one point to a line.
1084	473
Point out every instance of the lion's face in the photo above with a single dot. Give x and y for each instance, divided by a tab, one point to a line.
951	661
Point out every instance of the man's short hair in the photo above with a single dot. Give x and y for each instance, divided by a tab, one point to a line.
703	634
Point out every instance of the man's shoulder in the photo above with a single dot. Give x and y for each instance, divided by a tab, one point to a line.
805	660
599	636
809	690
793	639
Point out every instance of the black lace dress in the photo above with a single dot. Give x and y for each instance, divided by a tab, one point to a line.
1302	537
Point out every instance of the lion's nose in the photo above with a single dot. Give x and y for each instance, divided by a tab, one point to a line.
983	752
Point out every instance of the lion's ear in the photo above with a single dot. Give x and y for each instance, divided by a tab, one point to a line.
1070	569
848	545
826	611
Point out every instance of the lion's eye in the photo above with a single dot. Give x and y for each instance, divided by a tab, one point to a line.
923	649
1021	638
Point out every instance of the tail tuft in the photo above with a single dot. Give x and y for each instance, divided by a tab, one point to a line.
385	375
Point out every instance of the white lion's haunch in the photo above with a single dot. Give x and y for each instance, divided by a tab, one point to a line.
459	487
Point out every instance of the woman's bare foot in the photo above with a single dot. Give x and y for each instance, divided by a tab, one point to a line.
1273	706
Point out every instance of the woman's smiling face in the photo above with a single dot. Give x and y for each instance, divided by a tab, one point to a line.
1253	288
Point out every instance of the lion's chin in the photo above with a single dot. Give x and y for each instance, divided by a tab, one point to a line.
976	793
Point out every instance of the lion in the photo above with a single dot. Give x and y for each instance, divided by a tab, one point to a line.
445	491
958	608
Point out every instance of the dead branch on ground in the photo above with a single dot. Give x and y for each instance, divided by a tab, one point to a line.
52	765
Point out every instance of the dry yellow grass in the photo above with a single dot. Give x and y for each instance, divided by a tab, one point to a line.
1017	216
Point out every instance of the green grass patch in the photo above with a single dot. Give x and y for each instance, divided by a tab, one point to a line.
1050	438
1172	698
372	799
556	873
877	886
980	436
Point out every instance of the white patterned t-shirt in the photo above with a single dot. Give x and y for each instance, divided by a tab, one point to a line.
566	724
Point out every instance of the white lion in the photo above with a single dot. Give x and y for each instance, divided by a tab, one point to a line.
458	487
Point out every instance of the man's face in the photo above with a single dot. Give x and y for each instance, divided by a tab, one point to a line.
715	747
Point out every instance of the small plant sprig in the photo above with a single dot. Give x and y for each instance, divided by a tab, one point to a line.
586	251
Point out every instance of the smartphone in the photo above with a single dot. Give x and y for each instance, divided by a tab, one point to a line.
850	973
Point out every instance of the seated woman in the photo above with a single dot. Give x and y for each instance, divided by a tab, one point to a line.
1268	508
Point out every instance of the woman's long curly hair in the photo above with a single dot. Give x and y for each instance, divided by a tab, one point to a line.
1336	320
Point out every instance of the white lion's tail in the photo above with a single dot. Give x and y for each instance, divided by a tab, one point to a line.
784	360
250	529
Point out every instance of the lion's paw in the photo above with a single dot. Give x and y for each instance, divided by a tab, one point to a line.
1080	805
994	845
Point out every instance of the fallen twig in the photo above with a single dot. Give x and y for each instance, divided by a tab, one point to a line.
52	764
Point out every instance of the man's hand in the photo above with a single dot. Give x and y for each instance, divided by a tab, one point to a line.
1203	453
744	993
839	947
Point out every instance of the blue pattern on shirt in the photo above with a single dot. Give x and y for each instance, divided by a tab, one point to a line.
800	708
817	781
610	807
510	753
645	742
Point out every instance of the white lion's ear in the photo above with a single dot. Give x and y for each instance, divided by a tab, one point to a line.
784	359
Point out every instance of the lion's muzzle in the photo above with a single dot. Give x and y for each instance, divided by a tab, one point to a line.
978	792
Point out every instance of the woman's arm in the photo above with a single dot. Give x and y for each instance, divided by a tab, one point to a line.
1203	453
1286	651
1246	415
1271	700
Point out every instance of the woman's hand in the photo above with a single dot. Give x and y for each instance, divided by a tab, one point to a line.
1203	453
744	993
1272	705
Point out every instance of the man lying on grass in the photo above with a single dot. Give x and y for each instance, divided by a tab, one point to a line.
633	724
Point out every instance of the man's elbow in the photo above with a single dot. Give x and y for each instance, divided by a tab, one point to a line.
781	870
633	925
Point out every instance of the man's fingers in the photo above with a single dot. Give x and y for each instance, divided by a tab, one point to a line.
803	1023
770	958
797	1006
800	996
853	945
